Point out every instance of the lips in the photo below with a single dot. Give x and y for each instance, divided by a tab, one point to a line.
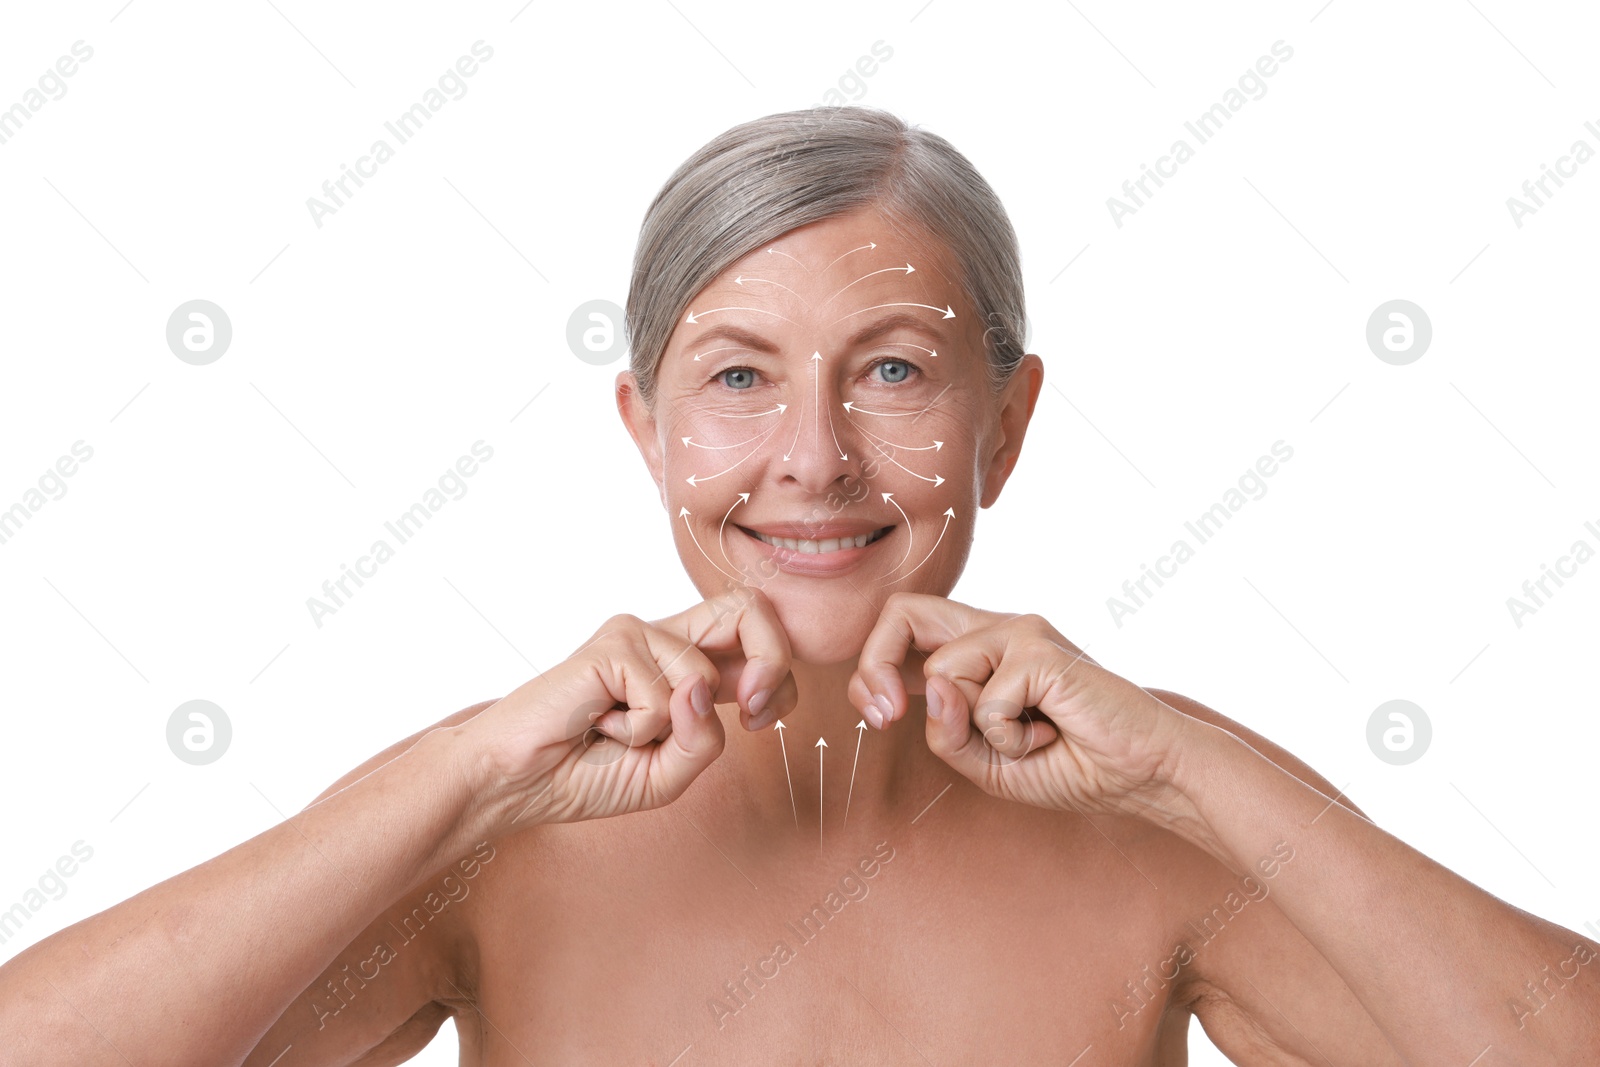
819	550
819	544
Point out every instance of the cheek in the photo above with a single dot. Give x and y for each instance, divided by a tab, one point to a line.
703	439
929	457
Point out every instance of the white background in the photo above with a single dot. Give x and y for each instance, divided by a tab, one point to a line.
369	353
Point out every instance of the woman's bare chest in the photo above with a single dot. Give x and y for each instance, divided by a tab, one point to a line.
884	948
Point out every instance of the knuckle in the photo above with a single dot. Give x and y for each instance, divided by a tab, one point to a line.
900	600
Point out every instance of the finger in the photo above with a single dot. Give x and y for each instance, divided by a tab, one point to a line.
741	633
950	733
1007	719
649	665
955	737
909	621
696	739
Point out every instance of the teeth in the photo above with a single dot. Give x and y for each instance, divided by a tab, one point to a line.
814	548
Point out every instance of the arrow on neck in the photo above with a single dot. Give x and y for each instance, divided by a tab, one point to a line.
822	747
861	728
786	774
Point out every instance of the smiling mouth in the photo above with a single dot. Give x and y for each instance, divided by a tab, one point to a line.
819	548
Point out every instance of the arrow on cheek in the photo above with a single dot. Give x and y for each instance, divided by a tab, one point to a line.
684	513
949	513
744	498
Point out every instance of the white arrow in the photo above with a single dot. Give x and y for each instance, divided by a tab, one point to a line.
779	410
949	513
947	311
936	446
709	351
689	442
696	479
744	498
910	537
907	344
785	255
786	774
937	479
822	746
696	316
853	251
816	379
908	269
850	405
861	728
683	513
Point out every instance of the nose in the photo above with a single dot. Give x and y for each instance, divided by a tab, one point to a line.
820	448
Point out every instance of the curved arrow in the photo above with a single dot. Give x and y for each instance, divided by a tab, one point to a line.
946	311
744	498
949	513
695	479
908	269
853	251
910	537
936	446
937	480
779	410
695	316
684	513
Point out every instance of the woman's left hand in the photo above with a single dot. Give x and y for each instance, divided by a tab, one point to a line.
1021	711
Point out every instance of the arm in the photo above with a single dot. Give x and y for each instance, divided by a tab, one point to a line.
1263	992
196	970
1420	948
1440	965
384	997
160	975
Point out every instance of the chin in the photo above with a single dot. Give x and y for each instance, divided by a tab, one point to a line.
821	634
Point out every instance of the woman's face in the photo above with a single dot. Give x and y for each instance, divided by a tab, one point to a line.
823	428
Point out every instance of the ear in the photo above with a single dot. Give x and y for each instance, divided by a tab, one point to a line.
1017	400
641	424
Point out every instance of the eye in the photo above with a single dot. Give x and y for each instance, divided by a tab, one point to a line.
893	371
737	377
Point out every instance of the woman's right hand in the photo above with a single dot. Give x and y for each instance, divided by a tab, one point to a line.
627	721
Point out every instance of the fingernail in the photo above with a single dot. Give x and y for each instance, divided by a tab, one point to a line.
758	700
700	698
873	715
935	703
762	721
883	706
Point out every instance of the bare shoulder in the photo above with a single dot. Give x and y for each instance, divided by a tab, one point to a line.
1268	748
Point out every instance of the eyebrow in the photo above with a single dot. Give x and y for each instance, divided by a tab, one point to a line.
870	332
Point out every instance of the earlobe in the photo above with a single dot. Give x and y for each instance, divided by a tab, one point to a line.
1017	402
641	424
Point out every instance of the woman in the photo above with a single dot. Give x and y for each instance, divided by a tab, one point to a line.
938	834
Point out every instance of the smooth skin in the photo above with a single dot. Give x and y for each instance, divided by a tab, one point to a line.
1058	863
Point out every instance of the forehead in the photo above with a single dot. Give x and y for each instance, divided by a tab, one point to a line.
843	246
843	281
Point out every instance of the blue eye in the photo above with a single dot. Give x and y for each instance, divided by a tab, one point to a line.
738	377
893	371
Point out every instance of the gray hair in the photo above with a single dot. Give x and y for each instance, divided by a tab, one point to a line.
763	178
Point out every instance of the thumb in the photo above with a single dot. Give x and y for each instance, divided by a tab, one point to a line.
697	738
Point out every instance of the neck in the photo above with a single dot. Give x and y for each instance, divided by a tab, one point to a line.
880	775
